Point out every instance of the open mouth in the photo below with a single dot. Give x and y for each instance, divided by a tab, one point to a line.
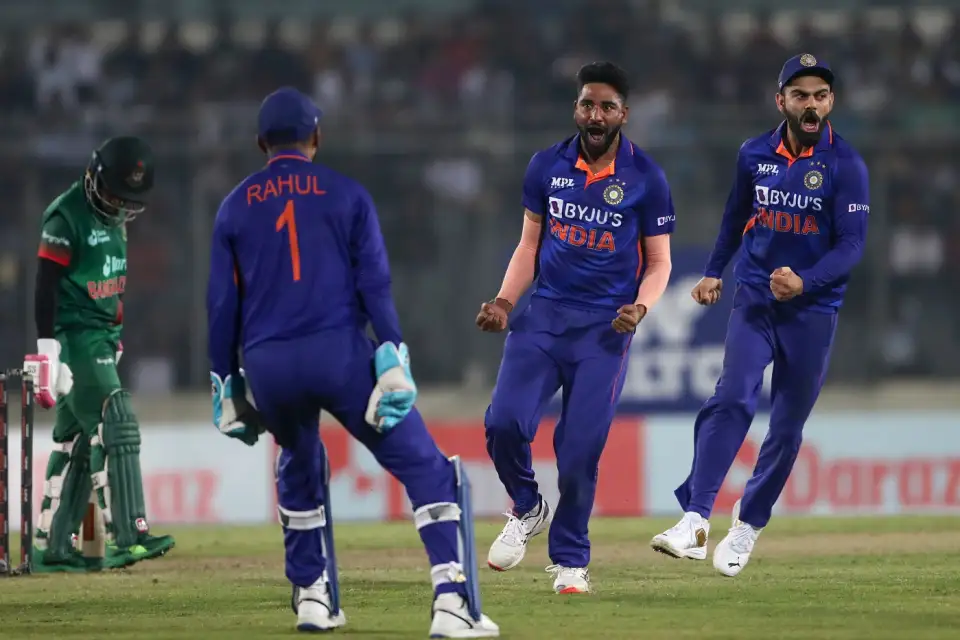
596	134
810	122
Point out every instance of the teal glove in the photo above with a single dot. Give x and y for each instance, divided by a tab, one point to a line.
233	415
395	392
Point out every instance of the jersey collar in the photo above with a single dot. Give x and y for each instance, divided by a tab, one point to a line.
624	153
289	155
776	141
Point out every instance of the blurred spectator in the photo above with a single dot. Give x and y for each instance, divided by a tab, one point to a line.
439	114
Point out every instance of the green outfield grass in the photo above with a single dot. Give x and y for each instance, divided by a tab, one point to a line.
809	579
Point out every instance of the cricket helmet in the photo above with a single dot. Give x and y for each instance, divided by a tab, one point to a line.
119	178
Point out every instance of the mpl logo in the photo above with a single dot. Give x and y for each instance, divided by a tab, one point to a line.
561	183
768	170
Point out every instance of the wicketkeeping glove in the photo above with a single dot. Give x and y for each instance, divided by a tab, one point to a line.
395	392
233	414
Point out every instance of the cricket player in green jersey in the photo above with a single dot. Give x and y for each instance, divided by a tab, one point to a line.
81	279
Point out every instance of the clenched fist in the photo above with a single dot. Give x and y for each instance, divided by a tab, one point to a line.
785	284
493	315
629	317
707	291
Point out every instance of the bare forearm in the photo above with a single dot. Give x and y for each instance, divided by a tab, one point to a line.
522	265
657	275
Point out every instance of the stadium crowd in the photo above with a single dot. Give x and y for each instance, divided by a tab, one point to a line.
439	116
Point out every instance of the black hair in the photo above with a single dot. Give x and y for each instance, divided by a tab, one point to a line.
605	73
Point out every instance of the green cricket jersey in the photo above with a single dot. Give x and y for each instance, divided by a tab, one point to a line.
95	257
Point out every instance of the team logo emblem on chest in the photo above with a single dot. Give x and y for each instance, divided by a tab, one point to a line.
613	194
813	180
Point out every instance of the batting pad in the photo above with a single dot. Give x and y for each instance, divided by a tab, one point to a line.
319	518
67	483
115	469
468	548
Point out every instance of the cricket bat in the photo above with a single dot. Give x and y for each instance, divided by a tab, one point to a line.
93	533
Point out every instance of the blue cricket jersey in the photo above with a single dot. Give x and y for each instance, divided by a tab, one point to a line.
808	213
296	250
591	251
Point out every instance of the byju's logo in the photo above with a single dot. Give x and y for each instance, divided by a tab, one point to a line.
556	207
768	197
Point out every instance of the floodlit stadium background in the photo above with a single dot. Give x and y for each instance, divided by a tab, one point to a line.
437	105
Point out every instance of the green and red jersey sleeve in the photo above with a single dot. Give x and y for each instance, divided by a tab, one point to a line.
57	240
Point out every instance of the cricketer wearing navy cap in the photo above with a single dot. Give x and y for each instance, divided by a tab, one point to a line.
298	270
287	117
798	213
806	124
804	65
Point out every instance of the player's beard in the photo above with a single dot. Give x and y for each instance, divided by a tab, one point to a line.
596	139
809	117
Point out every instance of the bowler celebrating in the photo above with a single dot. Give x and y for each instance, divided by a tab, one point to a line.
799	206
601	260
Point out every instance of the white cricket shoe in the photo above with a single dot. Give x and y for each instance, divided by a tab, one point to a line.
313	608
686	539
451	619
733	552
508	549
570	579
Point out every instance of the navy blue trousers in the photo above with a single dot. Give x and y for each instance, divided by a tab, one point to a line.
291	382
798	342
552	345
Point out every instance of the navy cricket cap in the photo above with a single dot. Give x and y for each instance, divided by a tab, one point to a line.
804	65
287	116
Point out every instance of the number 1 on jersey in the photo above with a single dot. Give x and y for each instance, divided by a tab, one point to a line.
288	220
